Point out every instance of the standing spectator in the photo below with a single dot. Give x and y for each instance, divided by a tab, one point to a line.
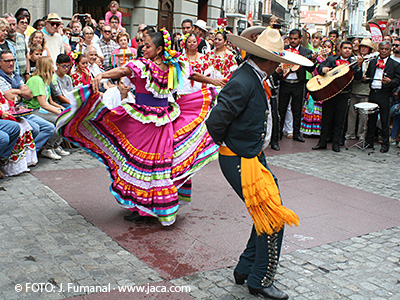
25	13
61	82
43	104
88	34
76	34
38	38
39	24
18	41
146	31
114	33
187	27
384	75
4	44
113	12
99	28
200	30
54	41
21	47
107	46
12	86
114	22
60	31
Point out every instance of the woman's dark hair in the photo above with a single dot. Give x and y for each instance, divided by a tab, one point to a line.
327	41
35	25
79	58
21	17
191	35
223	35
158	39
21	11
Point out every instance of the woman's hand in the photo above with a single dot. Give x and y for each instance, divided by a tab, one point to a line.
96	83
219	82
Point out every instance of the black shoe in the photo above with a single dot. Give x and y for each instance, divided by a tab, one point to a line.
275	146
319	147
298	138
239	277
270	292
336	148
369	146
135	217
384	149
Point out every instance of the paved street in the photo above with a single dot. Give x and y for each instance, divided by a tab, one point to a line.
60	226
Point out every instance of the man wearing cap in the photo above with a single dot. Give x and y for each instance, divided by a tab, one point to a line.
54	41
241	123
359	93
200	30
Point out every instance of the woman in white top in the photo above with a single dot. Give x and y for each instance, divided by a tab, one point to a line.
87	40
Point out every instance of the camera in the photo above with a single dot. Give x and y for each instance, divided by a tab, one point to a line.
82	16
276	26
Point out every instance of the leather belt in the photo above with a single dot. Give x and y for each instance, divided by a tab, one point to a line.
291	80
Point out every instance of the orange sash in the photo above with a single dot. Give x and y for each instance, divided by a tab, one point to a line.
261	195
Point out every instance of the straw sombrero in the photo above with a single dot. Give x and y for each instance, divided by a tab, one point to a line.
269	45
367	42
248	32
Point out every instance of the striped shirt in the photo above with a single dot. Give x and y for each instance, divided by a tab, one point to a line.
107	49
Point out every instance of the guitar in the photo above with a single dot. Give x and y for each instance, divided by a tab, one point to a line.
325	87
287	68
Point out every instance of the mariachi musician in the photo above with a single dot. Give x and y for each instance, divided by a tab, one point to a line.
292	85
384	75
334	110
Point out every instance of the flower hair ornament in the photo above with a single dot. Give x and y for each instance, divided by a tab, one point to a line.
219	30
170	58
185	38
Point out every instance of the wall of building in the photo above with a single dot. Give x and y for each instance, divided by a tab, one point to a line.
37	8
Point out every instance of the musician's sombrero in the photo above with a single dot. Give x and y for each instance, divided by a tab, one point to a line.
248	32
269	45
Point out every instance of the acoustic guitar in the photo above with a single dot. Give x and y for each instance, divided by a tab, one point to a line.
325	87
287	68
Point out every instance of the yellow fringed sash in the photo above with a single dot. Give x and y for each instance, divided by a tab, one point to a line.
261	195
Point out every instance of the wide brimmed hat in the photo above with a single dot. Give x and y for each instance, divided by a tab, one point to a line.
53	17
202	25
269	45
248	32
367	42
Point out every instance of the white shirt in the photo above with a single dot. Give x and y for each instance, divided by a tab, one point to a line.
293	75
263	76
112	98
377	84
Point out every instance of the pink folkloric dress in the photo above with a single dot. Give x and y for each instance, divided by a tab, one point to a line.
151	147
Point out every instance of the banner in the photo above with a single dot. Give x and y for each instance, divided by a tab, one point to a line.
376	32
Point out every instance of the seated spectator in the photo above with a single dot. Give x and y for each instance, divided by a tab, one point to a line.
13	87
38	38
94	68
118	95
62	83
81	76
107	46
88	34
4	44
9	134
67	47
114	33
35	52
23	154
44	106
139	39
126	52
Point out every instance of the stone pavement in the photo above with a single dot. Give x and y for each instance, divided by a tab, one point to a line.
45	240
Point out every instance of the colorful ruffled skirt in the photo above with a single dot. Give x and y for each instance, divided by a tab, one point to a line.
312	116
150	152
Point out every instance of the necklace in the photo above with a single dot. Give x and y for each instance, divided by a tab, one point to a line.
195	57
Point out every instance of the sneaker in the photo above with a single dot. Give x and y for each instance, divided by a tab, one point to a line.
350	137
60	151
392	142
50	153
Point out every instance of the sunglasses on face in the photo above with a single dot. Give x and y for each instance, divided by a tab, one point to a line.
8	60
54	24
24	22
396	45
107	31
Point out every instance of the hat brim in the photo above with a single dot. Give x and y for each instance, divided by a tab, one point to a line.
366	45
54	20
201	27
283	57
248	32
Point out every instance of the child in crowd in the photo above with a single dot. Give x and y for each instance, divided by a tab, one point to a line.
114	6
35	52
81	76
61	83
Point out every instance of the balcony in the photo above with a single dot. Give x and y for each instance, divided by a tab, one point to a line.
278	10
371	12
